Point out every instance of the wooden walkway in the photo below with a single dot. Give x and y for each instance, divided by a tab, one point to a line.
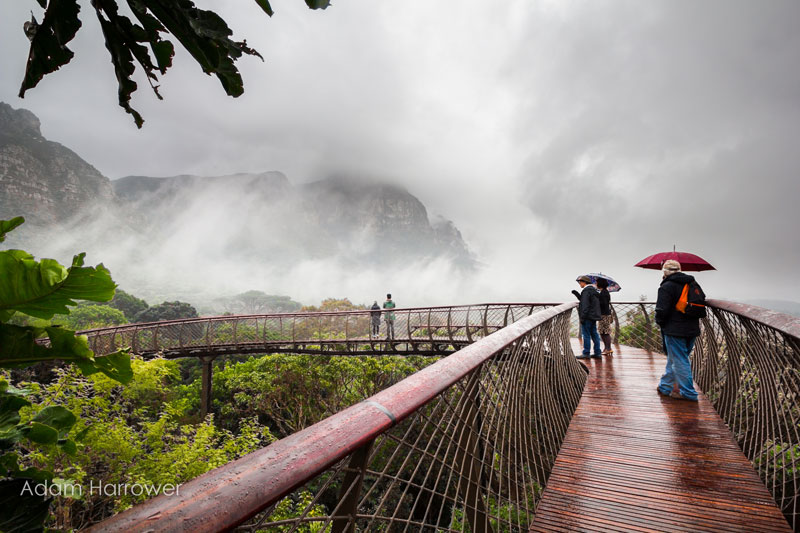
633	460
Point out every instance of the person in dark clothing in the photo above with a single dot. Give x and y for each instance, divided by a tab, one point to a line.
589	314
375	317
679	332
606	320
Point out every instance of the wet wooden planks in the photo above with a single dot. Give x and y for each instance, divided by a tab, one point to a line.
633	460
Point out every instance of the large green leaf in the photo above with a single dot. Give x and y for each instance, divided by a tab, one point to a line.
19	347
56	416
117	366
46	288
40	433
8	225
10	404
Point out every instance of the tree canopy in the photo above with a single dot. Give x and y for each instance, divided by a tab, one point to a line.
167	311
256	302
204	34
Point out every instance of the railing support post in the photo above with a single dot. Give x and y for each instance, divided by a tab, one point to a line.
648	329
205	393
467	460
350	492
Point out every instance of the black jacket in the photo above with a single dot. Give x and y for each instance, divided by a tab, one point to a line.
672	321
605	302
589	308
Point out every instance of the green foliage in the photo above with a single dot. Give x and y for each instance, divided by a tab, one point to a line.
8	225
129	304
335	304
204	34
640	331
46	288
43	289
258	302
503	518
294	506
32	290
166	311
90	316
145	433
291	392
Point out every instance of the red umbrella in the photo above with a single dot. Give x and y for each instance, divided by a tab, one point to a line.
689	262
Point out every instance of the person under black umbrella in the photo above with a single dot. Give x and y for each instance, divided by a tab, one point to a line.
606	320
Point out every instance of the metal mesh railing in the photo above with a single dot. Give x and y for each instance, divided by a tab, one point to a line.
416	330
747	361
465	444
634	325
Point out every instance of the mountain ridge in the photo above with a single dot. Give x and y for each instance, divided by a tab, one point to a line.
246	223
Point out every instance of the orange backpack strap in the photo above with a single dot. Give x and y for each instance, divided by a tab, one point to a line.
683	301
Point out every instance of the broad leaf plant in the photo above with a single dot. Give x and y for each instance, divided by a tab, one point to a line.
42	289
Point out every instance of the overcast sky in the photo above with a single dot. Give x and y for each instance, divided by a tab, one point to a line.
560	137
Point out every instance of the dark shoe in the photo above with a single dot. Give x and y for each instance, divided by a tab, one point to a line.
597	356
658	390
583	357
678	396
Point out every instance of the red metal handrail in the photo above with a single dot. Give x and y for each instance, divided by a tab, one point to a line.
229	495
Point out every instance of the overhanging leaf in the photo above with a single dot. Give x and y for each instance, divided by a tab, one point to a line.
318	4
49	40
264	4
206	36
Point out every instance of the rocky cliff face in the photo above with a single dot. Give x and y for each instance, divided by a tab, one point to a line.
41	179
179	231
354	220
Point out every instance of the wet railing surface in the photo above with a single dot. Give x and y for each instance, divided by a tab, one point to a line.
747	361
467	443
421	331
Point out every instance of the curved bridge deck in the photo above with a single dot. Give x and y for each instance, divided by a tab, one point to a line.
633	460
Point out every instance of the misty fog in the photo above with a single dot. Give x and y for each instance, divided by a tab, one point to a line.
559	138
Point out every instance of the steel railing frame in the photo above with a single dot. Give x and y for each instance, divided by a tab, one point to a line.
747	362
426	330
476	432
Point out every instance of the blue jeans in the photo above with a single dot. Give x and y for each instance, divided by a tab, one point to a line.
679	368
589	334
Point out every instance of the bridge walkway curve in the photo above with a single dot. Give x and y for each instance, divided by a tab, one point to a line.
633	460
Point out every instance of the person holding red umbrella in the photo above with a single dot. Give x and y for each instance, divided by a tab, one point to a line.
679	330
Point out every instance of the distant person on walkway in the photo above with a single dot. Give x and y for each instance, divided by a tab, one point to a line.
375	317
679	332
606	320
388	316
589	314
